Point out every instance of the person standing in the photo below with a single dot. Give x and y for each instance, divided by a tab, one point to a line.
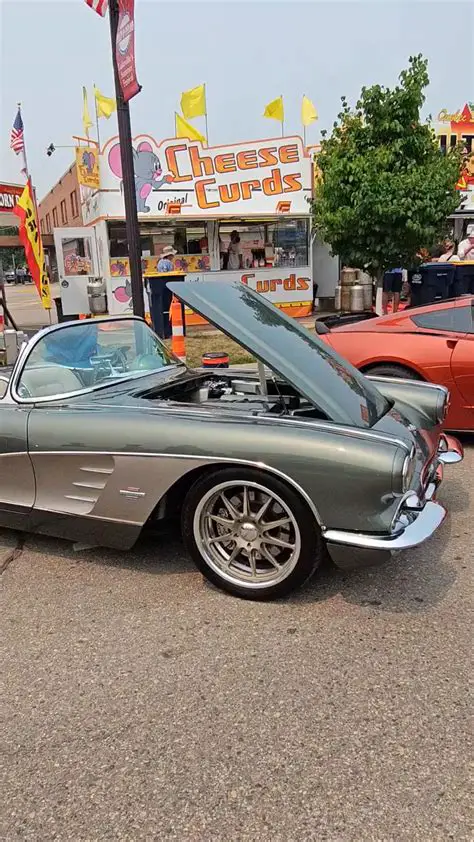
466	246
234	252
392	287
165	263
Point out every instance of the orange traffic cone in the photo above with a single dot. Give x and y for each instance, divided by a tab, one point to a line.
178	346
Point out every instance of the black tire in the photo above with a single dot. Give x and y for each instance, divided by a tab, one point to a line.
311	546
392	370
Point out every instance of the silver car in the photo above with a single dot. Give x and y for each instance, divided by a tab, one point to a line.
104	433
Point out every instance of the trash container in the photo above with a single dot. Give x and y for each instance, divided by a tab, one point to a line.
463	279
431	282
160	303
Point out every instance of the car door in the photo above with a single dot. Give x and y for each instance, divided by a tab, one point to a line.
462	359
17	481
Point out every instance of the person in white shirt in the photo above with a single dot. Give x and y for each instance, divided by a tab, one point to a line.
466	247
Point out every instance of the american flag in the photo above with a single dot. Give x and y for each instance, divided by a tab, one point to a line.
99	6
17	141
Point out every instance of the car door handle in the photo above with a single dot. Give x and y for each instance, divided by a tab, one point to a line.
451	343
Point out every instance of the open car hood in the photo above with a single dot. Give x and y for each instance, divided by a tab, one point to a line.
317	372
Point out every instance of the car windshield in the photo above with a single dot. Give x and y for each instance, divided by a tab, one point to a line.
91	353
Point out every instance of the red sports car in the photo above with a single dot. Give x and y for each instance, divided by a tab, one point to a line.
433	343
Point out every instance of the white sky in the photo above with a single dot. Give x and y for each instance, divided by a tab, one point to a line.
247	53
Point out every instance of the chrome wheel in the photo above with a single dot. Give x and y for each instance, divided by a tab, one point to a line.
247	534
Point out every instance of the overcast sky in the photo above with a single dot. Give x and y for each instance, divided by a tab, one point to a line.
247	53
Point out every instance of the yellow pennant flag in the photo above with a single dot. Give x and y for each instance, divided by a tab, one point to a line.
185	129
30	237
274	110
193	102
308	112
86	117
105	105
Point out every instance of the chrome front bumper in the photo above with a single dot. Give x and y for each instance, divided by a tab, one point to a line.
417	520
423	524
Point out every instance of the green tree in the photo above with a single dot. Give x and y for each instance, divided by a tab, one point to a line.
11	256
385	188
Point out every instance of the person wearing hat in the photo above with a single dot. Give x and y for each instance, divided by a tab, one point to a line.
165	263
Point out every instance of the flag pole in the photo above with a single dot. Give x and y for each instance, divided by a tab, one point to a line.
25	168
304	126
96	118
205	115
128	171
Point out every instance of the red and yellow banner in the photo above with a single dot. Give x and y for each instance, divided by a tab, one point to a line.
30	238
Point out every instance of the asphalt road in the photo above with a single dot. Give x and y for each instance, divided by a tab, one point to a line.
138	703
25	306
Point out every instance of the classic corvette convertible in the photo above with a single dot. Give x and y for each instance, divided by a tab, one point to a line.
104	432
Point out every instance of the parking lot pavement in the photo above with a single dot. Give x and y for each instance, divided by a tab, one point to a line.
141	704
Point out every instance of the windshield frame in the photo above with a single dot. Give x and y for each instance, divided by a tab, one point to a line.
29	348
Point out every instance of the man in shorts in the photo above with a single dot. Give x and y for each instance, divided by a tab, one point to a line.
392	287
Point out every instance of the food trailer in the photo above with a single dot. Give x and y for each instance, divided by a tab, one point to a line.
237	212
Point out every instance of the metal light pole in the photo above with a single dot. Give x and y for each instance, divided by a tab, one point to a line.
126	154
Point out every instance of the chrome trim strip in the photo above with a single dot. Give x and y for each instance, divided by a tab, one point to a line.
324	426
80	499
422	528
134	495
97	470
211	459
422	383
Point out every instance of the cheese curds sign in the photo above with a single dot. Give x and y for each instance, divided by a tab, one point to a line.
30	238
245	178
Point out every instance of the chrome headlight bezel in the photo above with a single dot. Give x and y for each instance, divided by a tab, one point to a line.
408	470
442	405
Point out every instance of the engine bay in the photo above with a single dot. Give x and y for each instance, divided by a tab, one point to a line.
236	393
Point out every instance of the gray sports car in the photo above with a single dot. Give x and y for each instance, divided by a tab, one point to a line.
103	433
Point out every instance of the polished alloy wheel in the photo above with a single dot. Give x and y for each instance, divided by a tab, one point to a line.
247	534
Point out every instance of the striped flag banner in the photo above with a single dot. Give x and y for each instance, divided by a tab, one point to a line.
99	6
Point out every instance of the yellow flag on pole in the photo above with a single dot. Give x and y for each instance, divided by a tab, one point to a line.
193	102
185	129
86	117
105	105
30	237
274	110
308	112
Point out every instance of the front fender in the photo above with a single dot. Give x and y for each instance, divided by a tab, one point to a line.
426	398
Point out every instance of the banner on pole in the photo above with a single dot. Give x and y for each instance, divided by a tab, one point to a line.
87	164
30	238
125	50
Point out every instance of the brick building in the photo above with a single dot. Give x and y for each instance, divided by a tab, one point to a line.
61	207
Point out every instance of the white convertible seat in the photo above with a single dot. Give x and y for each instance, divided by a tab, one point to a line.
48	380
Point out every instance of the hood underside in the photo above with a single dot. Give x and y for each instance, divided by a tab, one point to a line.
318	373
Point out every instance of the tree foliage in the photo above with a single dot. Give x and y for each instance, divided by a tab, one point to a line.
385	189
11	256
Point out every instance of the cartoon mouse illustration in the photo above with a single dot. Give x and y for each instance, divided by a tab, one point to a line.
148	172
